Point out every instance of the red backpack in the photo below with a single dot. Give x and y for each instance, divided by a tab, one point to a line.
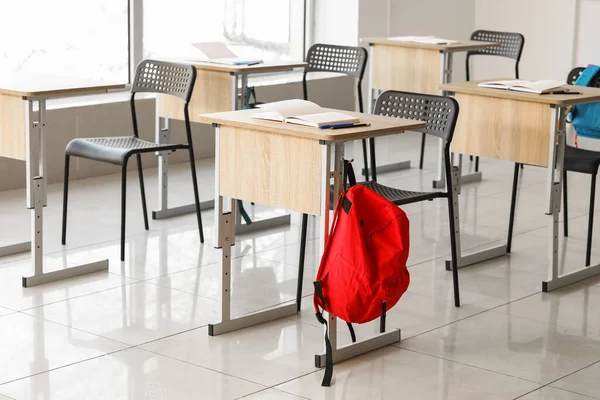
363	269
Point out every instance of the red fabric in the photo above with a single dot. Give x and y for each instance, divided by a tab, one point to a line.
364	262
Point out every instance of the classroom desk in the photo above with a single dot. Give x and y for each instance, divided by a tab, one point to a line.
414	67
288	166
218	88
521	128
22	138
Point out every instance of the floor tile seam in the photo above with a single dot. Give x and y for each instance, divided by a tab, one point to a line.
265	387
573	373
80	296
76	329
65	366
467	317
473	366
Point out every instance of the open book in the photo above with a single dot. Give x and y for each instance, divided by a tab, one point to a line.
304	112
519	85
424	39
219	53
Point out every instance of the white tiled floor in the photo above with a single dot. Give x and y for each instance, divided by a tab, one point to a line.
139	331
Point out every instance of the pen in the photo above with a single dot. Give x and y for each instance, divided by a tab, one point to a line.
350	126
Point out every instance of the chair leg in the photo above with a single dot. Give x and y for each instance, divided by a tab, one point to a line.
513	206
455	251
476	164
142	190
423	138
301	261
470	158
196	195
65	199
123	206
588	253
565	204
366	161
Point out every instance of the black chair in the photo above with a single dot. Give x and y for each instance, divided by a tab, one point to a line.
510	46
347	60
151	77
575	160
440	113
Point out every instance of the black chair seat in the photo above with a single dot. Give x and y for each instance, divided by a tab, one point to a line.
581	160
113	150
400	197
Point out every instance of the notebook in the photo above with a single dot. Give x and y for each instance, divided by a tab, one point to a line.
424	40
303	112
520	85
219	53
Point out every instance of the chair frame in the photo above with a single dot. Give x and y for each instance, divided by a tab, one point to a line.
140	86
451	173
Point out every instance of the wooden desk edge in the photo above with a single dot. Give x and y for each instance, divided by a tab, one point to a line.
446	48
471	88
62	92
316	134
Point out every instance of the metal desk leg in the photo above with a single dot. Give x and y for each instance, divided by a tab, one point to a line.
372	95
225	239
473	258
36	201
375	342
446	77
556	154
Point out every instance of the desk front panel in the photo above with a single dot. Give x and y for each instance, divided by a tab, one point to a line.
212	93
271	169
503	129
12	127
406	68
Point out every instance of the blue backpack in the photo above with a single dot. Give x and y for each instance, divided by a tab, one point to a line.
585	118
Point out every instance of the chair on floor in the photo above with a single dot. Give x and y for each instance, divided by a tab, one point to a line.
510	46
347	60
575	160
151	77
440	113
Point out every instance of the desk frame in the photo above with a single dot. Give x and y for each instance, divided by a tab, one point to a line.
555	166
225	239
163	136
36	198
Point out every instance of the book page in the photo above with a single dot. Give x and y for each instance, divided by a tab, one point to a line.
540	86
292	108
324	118
269	115
504	84
214	50
423	39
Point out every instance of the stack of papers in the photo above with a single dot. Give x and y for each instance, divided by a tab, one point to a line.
520	85
219	53
424	40
304	112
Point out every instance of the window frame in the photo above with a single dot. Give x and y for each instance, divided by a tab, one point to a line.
136	32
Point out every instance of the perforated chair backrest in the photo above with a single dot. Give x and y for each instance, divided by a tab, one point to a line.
576	73
439	112
346	60
163	77
510	46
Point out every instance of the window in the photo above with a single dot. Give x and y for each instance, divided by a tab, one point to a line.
81	38
270	29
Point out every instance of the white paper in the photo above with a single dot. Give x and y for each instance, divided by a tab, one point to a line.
214	50
424	39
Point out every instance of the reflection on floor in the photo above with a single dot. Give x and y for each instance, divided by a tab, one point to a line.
140	330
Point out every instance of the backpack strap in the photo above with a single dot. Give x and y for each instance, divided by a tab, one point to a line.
243	213
328	349
349	176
